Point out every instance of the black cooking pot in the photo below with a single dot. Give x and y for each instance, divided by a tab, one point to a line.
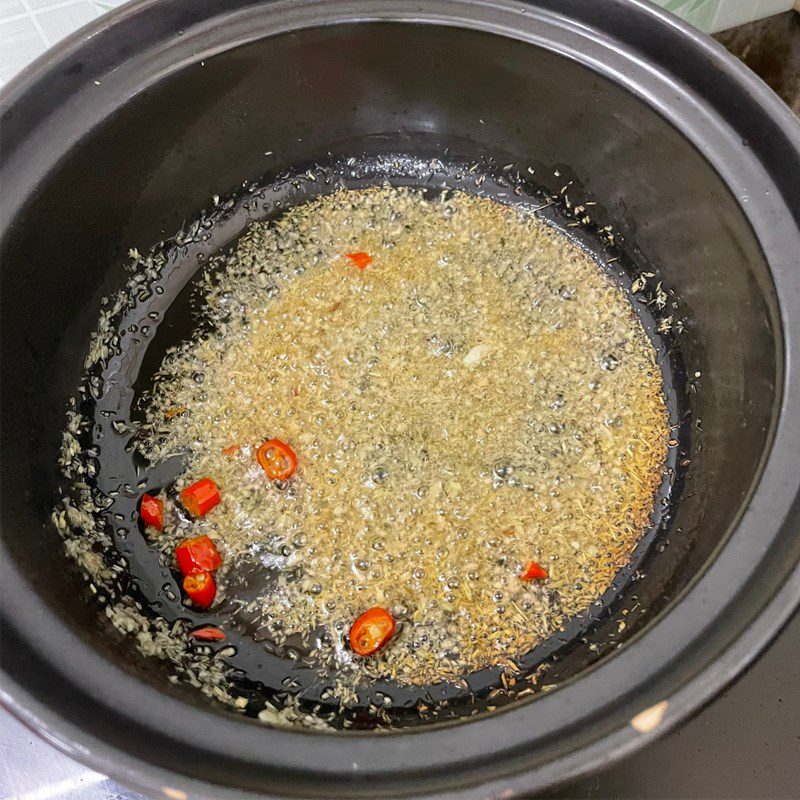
127	129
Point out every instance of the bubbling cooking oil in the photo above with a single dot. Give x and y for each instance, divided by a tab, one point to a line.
479	396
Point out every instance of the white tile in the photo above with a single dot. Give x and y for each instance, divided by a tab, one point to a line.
738	12
10	8
38	5
20	43
734	12
60	22
699	13
766	8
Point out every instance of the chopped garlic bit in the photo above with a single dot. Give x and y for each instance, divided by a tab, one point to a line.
477	354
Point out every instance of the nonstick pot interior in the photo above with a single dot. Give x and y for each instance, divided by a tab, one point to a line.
119	140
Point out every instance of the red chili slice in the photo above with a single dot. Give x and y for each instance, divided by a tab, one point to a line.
200	497
152	512
200	589
371	631
197	555
361	260
534	572
277	459
208	634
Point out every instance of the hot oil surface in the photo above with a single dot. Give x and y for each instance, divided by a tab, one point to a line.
480	396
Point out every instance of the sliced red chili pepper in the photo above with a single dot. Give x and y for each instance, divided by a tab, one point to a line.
371	631
231	451
200	497
197	555
152	512
208	634
200	589
277	459
534	572
361	260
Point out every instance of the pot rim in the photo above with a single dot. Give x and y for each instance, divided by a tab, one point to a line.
725	617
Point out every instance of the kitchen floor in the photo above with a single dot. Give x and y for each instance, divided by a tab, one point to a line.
745	745
771	48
